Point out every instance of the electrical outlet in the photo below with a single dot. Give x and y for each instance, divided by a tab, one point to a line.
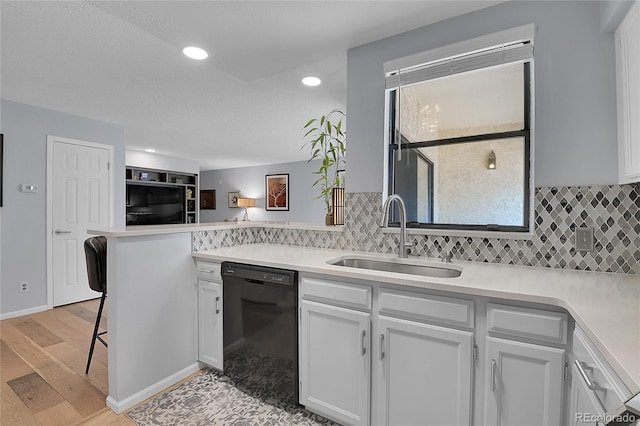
584	239
24	286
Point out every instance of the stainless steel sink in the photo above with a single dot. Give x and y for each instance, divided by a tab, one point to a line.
415	268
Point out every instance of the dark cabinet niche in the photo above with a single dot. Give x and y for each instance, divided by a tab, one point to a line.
182	186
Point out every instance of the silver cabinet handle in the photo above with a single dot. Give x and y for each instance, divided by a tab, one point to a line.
580	366
591	385
364	348
59	231
381	347
492	383
217	304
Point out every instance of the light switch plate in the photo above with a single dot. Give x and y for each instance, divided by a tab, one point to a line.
584	239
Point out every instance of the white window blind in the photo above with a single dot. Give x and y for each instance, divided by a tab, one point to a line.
499	55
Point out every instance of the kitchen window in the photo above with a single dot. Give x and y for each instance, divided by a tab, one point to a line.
458	135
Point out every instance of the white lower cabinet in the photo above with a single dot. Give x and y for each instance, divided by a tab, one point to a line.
523	383
210	343
424	374
334	362
371	354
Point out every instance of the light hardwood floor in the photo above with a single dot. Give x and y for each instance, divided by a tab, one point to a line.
42	361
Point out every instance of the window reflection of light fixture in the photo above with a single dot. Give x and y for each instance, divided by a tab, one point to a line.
246	202
429	117
491	164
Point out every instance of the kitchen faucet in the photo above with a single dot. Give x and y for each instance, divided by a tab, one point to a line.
446	256
404	246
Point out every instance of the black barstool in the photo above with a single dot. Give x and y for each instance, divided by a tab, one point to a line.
95	251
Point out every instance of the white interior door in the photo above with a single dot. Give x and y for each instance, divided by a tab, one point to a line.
79	200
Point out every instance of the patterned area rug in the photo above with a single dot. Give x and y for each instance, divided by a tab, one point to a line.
254	390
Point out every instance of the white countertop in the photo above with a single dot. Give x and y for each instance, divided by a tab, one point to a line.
605	305
143	230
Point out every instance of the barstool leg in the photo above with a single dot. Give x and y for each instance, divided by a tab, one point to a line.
95	331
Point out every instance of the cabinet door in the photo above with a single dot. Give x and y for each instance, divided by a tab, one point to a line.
210	346
628	87
334	362
424	374
584	407
523	384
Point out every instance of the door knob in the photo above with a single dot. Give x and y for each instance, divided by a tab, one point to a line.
59	231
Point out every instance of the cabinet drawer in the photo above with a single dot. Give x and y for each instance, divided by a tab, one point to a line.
608	387
527	323
336	293
209	270
427	308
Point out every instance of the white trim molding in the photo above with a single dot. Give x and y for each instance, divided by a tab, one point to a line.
123	405
23	312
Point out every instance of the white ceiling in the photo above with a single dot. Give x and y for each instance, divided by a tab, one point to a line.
122	62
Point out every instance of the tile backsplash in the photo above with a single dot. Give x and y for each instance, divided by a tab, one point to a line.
612	210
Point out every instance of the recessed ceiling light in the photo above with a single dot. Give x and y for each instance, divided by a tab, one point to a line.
311	81
150	150
195	53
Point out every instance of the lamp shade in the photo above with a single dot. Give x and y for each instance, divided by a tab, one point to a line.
246	202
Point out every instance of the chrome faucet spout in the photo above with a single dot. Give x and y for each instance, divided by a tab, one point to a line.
446	256
384	223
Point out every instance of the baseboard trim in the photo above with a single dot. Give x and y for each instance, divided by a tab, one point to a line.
123	405
29	311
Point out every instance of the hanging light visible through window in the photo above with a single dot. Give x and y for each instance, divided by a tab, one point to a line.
491	164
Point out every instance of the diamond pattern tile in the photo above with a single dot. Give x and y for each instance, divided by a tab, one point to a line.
612	210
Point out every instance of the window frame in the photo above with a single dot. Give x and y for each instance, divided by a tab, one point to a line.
522	34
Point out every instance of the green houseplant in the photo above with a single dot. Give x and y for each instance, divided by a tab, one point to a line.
327	142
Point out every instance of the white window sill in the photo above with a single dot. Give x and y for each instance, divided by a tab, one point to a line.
464	233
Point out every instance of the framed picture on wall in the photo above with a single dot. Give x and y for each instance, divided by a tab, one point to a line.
233	199
277	192
208	199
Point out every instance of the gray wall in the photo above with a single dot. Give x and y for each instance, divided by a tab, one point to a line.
250	181
24	239
575	97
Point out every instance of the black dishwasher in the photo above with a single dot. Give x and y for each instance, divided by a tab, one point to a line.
260	325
